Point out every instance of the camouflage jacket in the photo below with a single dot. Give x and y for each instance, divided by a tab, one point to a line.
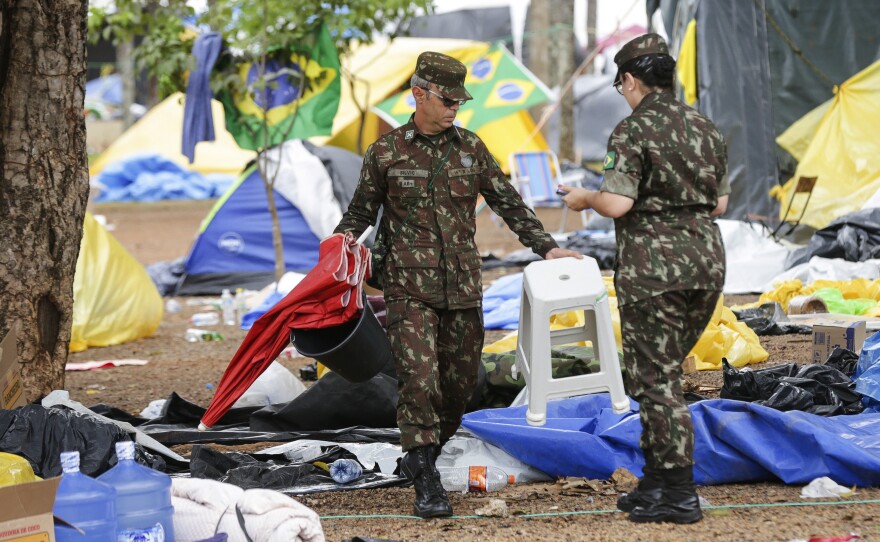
435	259
673	162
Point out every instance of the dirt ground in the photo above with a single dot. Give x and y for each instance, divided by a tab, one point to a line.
154	232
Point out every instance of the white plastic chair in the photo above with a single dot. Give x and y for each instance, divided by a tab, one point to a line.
556	286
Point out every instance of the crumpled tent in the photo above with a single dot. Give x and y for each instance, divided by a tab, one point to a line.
734	441
843	151
114	300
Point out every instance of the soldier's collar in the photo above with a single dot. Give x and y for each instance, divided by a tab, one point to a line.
410	131
652	97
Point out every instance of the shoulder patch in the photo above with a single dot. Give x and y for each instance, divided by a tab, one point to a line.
610	159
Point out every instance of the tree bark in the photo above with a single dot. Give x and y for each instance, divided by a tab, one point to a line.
44	179
563	67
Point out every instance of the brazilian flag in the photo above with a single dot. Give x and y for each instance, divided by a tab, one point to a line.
499	83
298	100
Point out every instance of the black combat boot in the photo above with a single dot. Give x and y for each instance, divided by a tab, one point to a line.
650	490
431	500
679	502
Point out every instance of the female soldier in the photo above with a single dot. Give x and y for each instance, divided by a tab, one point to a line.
665	178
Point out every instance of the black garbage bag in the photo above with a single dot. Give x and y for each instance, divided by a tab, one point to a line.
769	319
819	389
854	237
40	434
843	360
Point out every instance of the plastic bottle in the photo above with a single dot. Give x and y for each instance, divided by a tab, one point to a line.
143	499
345	470
195	335
241	307
84	502
204	319
172	306
227	306
474	479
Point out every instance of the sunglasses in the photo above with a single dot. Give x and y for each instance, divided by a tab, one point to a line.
448	102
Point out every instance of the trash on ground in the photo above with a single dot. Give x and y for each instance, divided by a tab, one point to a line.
825	488
91	365
496	508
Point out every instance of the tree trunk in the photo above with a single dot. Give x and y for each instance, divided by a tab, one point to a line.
44	181
563	67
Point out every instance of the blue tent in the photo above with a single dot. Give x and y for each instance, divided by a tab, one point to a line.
233	248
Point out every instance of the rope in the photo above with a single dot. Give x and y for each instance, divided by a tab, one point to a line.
615	511
795	49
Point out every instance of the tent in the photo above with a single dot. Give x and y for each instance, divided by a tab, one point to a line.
160	131
114	300
372	73
233	248
759	67
837	143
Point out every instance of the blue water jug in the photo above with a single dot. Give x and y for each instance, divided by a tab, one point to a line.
84	502
143	499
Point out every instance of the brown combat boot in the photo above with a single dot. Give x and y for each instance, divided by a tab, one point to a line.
431	499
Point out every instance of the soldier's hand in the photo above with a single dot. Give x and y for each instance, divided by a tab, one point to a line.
562	253
576	199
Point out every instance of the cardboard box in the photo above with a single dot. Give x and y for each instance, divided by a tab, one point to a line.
26	514
830	335
11	391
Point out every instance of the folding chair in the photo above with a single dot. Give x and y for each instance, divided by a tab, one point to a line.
535	176
804	185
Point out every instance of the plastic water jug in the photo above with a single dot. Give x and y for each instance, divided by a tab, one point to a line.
143	499
84	502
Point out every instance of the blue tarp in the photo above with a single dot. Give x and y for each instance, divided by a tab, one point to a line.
150	177
501	302
735	441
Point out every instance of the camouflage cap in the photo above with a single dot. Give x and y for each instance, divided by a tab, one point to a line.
445	72
646	44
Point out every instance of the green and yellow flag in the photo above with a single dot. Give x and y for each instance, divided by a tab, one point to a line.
499	83
299	98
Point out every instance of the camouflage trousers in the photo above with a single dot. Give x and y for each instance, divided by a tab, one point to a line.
657	335
437	354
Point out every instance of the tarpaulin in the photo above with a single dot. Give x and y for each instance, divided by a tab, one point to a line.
734	441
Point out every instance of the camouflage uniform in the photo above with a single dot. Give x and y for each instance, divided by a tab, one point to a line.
670	258
432	281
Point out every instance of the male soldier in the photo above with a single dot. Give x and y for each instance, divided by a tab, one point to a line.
427	175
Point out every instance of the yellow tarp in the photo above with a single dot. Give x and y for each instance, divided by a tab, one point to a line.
686	66
114	299
724	337
843	152
160	132
371	73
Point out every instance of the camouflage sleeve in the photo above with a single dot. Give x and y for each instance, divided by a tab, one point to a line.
506	202
368	197
723	180
623	163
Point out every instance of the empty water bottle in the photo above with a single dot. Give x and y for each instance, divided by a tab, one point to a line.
344	471
241	305
227	306
84	502
204	319
143	499
474	479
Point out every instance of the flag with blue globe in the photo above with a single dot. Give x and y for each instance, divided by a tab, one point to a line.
292	96
499	83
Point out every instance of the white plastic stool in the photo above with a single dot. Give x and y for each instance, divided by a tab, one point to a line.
555	286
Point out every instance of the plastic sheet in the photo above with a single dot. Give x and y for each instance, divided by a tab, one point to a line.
854	237
867	375
818	389
769	319
734	441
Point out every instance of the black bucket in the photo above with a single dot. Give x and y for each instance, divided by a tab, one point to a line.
356	350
